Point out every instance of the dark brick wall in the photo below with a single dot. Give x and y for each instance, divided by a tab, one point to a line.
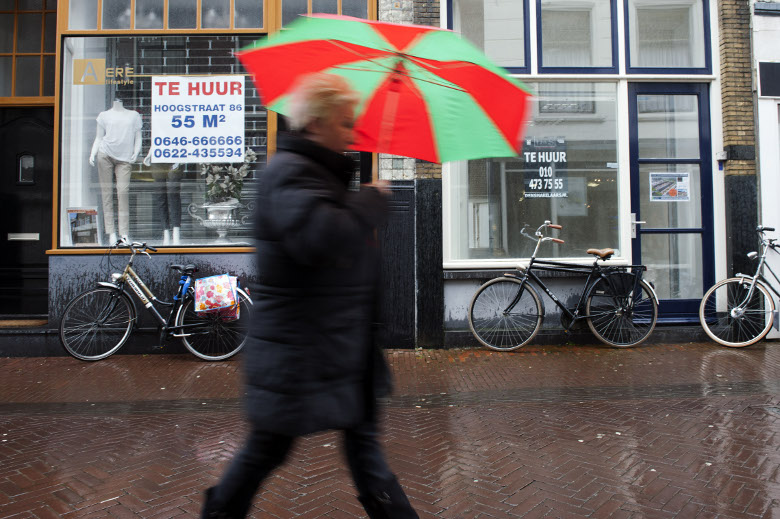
738	128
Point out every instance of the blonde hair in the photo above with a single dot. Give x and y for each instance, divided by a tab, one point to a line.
316	96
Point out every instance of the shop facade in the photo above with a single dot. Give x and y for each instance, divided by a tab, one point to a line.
635	142
621	149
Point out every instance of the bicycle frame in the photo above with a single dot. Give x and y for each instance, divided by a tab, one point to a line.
147	297
766	245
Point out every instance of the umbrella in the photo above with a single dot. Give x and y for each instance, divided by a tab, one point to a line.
425	92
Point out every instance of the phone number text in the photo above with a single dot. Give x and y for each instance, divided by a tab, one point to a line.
213	140
202	153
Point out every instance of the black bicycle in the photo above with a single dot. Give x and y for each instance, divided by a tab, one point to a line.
619	306
96	323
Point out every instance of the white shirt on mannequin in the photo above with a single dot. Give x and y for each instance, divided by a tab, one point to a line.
118	134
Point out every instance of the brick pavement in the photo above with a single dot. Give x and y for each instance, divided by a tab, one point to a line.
663	430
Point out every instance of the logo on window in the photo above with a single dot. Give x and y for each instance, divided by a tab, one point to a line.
95	72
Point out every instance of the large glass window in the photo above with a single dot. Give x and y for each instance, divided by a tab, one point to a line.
495	26
576	34
567	173
27	45
667	34
121	174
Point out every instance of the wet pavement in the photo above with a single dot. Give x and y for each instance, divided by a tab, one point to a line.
662	430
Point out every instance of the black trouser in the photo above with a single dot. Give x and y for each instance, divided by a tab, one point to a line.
379	491
167	198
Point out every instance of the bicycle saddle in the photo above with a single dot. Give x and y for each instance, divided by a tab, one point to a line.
604	254
185	269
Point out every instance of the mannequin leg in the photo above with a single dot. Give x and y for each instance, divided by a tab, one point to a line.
122	171
166	236
160	203
174	202
105	167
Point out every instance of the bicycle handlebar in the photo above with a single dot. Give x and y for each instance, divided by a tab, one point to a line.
134	246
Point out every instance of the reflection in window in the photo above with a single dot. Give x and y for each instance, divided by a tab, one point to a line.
159	195
26	169
28	32
324	6
248	14
28	76
215	14
148	14
82	15
566	172
668	126
356	8
292	8
116	14
495	26
182	14
666	35
577	34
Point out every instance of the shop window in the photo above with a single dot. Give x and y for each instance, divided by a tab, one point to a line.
114	106
151	14
667	35
27	46
498	27
182	14
576	35
567	173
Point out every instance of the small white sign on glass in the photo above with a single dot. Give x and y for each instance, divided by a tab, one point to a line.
670	187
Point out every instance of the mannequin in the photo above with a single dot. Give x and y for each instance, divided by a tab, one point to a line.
117	145
167	199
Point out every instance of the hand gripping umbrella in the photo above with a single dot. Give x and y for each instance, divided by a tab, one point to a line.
425	92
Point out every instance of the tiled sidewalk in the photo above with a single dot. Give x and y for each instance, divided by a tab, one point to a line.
659	431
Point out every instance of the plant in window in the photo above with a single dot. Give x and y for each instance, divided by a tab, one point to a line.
224	182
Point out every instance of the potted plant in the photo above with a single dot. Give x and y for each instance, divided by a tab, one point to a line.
224	182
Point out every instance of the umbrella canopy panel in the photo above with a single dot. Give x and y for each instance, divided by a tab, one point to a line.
425	92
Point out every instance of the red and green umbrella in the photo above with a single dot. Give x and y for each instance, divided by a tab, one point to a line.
425	92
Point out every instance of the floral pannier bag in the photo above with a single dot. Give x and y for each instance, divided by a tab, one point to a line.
217	294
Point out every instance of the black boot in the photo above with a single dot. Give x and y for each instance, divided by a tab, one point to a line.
388	503
210	509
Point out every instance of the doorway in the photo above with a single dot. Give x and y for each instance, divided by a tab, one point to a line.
671	193
27	138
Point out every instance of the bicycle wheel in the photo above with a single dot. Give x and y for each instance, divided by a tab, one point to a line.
96	323
616	315
210	336
502	317
731	318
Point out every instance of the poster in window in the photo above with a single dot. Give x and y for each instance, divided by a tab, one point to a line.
197	119
83	225
545	167
670	187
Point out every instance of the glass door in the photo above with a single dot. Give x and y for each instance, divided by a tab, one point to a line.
671	193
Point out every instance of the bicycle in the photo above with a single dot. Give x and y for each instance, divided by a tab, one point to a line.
97	322
620	307
739	311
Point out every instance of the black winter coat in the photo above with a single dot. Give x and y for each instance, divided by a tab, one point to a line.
308	358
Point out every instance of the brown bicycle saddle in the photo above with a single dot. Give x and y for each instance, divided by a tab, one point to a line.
604	254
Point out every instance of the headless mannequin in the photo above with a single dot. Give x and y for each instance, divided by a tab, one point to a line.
167	199
117	145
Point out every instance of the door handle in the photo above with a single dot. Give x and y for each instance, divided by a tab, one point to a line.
634	223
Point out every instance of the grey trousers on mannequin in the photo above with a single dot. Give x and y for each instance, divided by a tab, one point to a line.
378	489
167	198
109	171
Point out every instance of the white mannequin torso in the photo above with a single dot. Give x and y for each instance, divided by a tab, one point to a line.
121	132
